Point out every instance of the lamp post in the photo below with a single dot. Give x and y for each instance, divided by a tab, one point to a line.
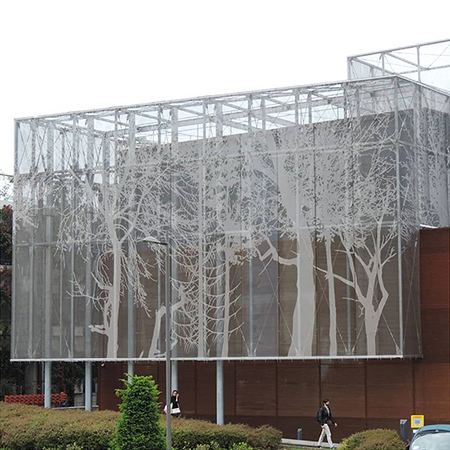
152	240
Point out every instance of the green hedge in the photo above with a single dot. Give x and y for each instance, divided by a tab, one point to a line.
24	427
378	439
188	434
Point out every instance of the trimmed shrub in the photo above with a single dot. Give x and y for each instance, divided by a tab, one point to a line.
264	436
212	446
215	446
139	425
24	427
188	434
378	439
241	446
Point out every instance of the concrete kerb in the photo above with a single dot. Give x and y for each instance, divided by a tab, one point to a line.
303	443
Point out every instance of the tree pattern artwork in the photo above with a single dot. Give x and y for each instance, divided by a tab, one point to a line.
287	216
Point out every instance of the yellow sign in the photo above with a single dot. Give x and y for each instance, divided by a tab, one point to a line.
417	421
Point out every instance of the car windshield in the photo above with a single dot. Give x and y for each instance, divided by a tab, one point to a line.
432	441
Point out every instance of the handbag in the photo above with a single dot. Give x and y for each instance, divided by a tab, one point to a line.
172	410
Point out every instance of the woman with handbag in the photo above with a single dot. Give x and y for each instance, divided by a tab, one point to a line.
175	404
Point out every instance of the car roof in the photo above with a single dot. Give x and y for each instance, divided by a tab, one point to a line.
436	427
428	429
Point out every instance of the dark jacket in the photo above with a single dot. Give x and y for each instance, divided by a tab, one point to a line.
324	415
174	401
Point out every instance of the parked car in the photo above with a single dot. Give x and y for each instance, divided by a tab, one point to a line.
431	437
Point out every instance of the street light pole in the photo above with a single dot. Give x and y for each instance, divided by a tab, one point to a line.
152	240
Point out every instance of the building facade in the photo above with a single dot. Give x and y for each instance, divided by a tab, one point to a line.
291	219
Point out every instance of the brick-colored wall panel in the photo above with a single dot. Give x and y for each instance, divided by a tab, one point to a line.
205	388
432	385
435	280
229	369
109	379
256	389
148	368
344	384
298	388
187	387
435	335
434	241
389	390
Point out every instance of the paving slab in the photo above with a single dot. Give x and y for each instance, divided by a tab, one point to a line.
303	443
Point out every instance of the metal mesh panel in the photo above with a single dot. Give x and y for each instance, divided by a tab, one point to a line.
426	63
292	218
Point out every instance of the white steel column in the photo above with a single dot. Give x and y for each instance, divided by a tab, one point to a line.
88	274
130	370
399	218
73	201
31	253
171	250
88	385
168	324
418	64
131	316
219	393
48	273
168	344
174	375
47	384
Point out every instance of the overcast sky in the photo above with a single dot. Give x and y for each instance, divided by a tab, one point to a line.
60	56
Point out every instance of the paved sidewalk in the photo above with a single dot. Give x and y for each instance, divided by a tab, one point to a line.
312	444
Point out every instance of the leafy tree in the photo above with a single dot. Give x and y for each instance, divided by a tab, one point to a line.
5	258
66	376
11	374
6	186
6	217
139	425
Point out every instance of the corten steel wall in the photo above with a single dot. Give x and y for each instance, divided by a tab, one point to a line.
432	374
364	394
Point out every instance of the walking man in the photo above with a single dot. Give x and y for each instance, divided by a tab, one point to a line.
325	419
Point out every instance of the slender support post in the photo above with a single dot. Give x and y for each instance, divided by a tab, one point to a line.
130	370
168	347
88	385
131	318
174	372
168	321
219	393
47	384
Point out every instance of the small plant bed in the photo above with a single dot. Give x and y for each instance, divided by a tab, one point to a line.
33	427
27	427
189	434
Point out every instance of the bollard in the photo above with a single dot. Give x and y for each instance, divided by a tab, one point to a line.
299	434
404	431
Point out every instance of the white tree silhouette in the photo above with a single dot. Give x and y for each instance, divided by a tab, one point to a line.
113	208
369	235
333	147
289	172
